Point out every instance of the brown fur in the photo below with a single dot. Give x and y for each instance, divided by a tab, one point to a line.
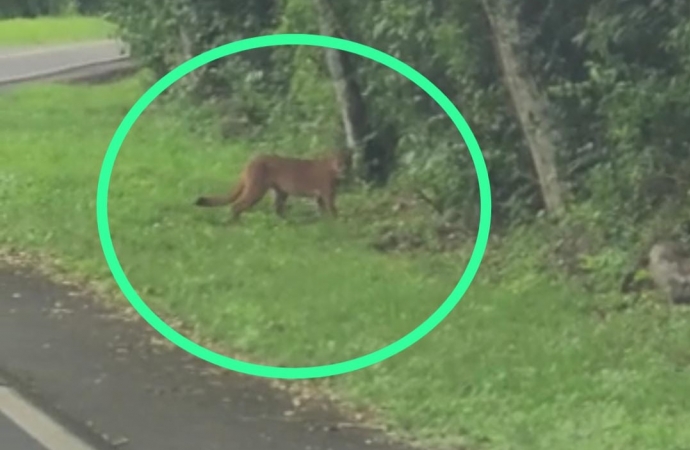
285	176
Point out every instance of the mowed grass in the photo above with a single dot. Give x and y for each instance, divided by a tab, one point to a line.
519	364
53	30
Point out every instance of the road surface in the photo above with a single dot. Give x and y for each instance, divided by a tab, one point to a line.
21	64
75	375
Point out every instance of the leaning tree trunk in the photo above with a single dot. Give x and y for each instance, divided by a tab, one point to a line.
529	105
370	154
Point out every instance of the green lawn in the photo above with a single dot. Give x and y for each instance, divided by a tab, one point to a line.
518	365
53	30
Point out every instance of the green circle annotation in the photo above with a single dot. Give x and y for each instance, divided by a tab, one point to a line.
293	372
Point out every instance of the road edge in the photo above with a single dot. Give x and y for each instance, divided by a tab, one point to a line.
65	71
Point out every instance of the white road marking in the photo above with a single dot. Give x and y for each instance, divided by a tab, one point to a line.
37	424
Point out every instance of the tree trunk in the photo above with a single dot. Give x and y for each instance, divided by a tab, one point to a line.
530	106
370	154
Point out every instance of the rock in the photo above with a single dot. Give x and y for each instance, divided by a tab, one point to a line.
669	267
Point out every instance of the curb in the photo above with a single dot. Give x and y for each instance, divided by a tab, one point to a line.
63	71
10	52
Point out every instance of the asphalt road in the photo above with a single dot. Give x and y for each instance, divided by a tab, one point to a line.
15	438
24	63
75	375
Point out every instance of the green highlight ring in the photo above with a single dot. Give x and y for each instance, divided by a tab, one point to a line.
293	372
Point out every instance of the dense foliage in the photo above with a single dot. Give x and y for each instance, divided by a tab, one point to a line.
616	74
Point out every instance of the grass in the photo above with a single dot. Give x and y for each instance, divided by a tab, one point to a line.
520	364
53	30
